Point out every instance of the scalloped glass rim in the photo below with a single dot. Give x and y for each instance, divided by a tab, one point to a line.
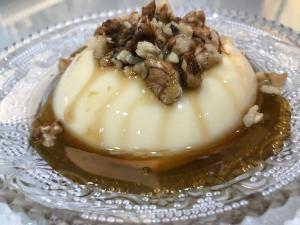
250	193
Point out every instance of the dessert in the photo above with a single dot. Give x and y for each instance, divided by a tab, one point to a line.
154	92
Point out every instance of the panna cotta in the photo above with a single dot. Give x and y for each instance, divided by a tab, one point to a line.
107	110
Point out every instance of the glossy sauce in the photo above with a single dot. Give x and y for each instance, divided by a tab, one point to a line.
245	149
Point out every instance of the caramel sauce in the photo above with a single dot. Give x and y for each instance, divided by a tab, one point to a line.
246	149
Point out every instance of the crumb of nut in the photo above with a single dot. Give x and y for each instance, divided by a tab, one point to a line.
127	57
173	58
274	79
185	29
145	49
269	89
48	133
253	116
63	64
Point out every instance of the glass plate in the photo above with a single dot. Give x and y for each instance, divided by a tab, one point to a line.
28	183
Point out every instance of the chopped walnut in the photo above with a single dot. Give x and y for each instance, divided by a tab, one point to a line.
63	64
271	83
207	56
253	116
196	19
183	44
163	80
173	58
185	29
274	79
160	36
109	27
269	89
127	57
144	32
171	29
157	24
148	11
192	73
164	13
134	18
48	133
215	40
145	49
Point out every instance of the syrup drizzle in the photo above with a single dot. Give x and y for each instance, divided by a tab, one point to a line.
249	148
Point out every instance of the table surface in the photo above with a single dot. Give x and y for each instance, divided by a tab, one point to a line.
19	18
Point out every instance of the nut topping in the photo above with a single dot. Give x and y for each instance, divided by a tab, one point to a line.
168	52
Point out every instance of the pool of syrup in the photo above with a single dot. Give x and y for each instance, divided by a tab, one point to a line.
248	149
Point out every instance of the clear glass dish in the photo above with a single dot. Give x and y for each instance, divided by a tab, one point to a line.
28	182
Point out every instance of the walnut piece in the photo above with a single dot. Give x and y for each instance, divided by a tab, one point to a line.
163	80
127	57
269	89
148	11
146	49
183	44
252	117
48	133
164	13
274	79
271	83
109	27
173	58
196	19
185	29
192	73
207	56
